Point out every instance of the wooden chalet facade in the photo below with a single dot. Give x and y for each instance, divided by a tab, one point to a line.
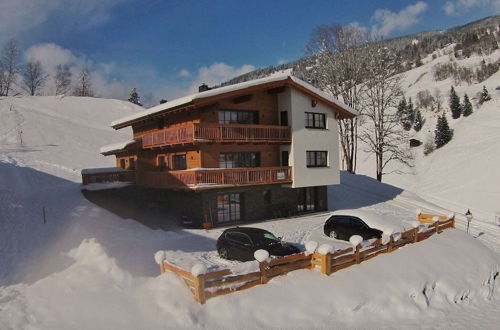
255	150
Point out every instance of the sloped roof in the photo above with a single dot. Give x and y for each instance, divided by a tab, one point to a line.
113	148
271	81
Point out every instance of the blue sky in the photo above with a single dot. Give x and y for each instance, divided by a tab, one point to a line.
166	48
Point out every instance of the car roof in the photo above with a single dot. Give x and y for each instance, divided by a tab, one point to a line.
374	219
246	230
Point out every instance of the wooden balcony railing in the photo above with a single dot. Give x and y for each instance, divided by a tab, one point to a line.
217	133
206	178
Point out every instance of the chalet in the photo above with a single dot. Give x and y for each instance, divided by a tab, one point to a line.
255	150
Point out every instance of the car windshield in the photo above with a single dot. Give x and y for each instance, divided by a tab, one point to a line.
264	238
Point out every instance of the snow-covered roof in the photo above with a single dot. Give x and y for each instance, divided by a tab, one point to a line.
106	150
227	89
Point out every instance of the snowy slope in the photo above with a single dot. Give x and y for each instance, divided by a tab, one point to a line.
58	134
86	268
464	173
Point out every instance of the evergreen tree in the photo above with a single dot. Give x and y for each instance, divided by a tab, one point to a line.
134	97
419	121
485	96
456	109
443	133
408	116
402	107
466	106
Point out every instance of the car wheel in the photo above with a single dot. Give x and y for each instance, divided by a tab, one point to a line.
224	253
333	234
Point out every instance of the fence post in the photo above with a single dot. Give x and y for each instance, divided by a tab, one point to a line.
162	268
199	288
415	235
356	254
326	264
436	224
391	242
262	268
453	222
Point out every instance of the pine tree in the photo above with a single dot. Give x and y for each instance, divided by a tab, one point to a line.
134	97
408	116
485	96
456	109
419	121
443	133
402	107
466	106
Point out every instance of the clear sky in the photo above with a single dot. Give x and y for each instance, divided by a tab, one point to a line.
166	48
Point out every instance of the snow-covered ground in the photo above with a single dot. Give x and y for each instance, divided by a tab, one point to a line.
82	267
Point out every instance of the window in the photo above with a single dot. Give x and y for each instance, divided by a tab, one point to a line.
228	207
162	165
131	164
179	162
317	158
239	159
284	118
239	238
315	120
123	163
238	117
284	158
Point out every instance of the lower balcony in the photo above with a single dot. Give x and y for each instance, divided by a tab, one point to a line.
214	178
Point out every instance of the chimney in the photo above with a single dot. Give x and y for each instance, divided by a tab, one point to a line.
203	87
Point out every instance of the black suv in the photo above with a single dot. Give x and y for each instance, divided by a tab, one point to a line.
344	226
240	243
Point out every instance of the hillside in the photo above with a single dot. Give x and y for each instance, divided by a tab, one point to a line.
83	267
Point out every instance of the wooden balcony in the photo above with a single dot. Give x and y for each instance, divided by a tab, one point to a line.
215	178
207	132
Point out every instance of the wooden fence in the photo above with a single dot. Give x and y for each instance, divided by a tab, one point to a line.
213	284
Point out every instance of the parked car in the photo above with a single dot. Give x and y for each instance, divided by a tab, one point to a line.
345	223
240	243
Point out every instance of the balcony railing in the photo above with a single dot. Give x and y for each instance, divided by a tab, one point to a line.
207	132
211	178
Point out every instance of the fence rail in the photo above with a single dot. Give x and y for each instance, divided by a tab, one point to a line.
222	282
212	132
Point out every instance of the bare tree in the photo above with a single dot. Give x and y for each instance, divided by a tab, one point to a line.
33	77
8	67
83	85
381	93
341	52
62	79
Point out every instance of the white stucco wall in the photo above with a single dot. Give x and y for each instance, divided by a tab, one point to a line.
310	139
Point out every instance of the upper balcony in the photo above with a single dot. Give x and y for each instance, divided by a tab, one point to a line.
208	132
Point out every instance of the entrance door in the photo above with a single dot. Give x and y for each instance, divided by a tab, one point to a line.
307	199
228	208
